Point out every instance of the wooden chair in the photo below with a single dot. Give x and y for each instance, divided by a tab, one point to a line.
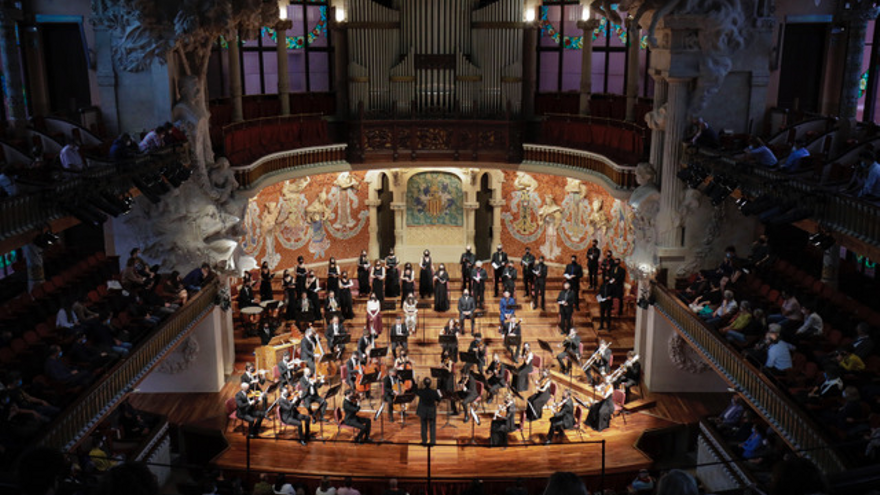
618	397
232	414
337	416
578	417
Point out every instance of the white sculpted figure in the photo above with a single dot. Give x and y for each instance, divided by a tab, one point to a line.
551	215
347	185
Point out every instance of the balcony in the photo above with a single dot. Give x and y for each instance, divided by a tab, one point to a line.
783	415
103	396
566	159
40	202
253	176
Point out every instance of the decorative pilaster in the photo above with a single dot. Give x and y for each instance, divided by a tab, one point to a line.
855	16
373	202
14	82
399	210
632	68
470	210
657	124
586	89
283	77
671	186
529	68
235	78
497	203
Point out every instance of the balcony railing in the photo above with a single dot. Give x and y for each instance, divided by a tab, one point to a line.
253	175
616	176
77	421
732	465
785	416
38	203
848	215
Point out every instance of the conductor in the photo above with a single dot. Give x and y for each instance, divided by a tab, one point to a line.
427	410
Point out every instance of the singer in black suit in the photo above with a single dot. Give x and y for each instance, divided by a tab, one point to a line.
466	309
427	410
593	255
606	304
540	282
566	307
499	261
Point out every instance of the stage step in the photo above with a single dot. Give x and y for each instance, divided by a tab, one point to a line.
640	404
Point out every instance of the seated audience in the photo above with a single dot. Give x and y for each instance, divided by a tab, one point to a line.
60	372
122	149
793	162
70	158
760	153
871	189
778	352
154	140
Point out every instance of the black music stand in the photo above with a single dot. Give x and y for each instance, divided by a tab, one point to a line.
404	400
512	341
546	348
331	392
528	405
470	358
340	340
399	339
574	360
448	340
369	379
442	374
379	352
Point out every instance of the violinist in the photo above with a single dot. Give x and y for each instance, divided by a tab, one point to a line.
571	345
254	379
563	419
478	349
246	410
495	377
503	422
286	367
288	408
391	388
539	399
351	405
522	373
468	393
452	328
310	386
399	336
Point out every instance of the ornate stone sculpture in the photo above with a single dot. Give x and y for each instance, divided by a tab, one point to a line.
200	221
645	204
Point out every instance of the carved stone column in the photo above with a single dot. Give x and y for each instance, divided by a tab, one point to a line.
529	68
670	185
586	89
855	16
632	69
497	203
16	113
283	77
235	89
658	134
373	202
399	209
831	266
470	210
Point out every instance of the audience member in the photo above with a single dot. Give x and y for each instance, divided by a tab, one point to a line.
7	182
795	159
194	280
812	325
56	370
40	471
677	482
643	482
778	352
325	488
760	153
703	134
346	488
790	311
393	489
70	158
123	148
565	483
154	140
871	188
863	345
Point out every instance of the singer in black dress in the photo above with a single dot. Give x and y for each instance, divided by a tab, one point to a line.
441	290
426	276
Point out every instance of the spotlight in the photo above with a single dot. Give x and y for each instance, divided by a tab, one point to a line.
46	239
742	202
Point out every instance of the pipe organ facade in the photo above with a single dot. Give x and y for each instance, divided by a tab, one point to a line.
435	57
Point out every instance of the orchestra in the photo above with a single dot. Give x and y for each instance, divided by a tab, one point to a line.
301	375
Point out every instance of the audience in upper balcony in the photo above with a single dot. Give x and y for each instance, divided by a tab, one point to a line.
871	187
863	345
794	161
84	354
131	280
195	279
736	329
848	361
154	140
812	325
123	148
60	372
70	157
675	482
761	252
730	416
831	387
703	135
724	312
760	153
7	181
778	352
790	312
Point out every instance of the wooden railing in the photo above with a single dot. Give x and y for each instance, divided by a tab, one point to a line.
253	175
446	140
622	141
77	420
781	413
249	140
617	176
37	203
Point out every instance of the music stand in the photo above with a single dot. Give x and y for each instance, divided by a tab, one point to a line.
369	379
403	400
470	358
448	340
340	340
546	348
379	352
573	360
530	406
512	341
381	419
398	339
331	392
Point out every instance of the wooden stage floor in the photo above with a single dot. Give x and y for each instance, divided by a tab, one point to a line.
403	457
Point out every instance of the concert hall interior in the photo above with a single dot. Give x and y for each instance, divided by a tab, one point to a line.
439	247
